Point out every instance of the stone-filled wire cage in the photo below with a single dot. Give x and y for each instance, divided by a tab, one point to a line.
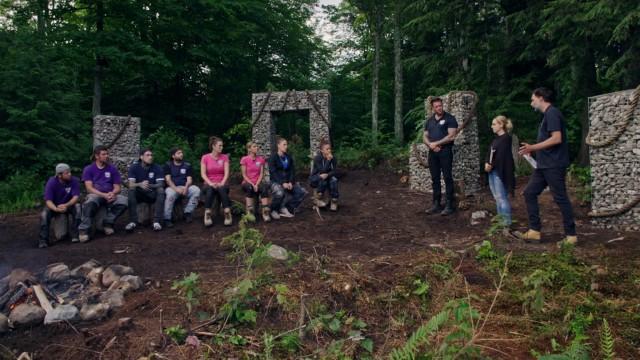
614	139
121	135
466	158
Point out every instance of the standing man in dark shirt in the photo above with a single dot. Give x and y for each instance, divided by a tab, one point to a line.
178	175
60	195
439	132
552	157
146	184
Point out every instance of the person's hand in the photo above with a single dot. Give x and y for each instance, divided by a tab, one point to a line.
111	197
329	157
61	208
145	185
288	186
181	190
525	149
488	167
324	176
432	146
437	148
255	187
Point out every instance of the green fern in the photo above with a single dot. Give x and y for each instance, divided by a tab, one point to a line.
420	337
606	341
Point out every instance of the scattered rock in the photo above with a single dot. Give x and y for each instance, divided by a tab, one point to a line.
113	273
84	269
134	281
122	286
277	252
95	276
57	272
477	216
26	315
62	313
4	324
115	298
19	275
125	323
90	312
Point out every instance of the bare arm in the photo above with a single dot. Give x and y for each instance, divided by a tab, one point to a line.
203	173
451	135
92	190
554	139
51	205
167	179
226	173
243	170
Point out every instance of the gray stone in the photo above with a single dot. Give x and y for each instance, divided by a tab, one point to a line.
114	298
95	276
277	252
477	216
134	281
4	324
113	274
90	312
19	275
57	272
26	315
62	313
84	269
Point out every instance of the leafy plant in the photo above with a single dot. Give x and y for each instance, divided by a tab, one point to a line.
290	343
20	192
606	341
577	350
176	333
236	309
536	282
246	244
188	290
421	288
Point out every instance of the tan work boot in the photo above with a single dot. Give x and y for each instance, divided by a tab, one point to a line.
529	236
249	205
569	239
207	218
334	205
228	219
265	214
317	200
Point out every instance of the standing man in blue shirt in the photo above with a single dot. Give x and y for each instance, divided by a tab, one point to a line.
178	175
439	133
552	158
60	195
146	184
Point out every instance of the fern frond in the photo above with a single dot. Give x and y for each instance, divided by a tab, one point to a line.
420	337
606	341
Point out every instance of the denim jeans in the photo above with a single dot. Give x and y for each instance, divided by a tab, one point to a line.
501	196
289	198
193	194
321	185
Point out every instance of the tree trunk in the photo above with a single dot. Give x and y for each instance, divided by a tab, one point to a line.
397	56
97	77
376	75
43	14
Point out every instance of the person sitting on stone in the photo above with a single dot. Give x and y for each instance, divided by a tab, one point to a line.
214	170
253	183
323	177
282	173
61	193
146	184
178	175
103	184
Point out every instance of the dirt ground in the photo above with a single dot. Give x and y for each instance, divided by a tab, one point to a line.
381	226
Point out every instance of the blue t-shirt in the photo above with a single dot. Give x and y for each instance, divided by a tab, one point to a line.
102	179
556	156
60	192
438	129
178	173
139	173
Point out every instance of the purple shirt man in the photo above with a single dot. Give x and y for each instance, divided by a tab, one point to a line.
102	179
59	191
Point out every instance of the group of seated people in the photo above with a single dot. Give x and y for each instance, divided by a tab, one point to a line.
150	183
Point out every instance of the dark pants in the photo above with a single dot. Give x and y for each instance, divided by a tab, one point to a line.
321	185
263	190
555	179
92	204
290	198
441	161
151	196
210	194
48	214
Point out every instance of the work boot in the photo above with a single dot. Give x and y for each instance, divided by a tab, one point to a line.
207	218
531	236
334	205
249	205
275	215
436	208
448	209
228	219
265	214
42	244
317	200
569	239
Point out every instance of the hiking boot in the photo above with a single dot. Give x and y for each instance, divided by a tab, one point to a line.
207	218
317	200
129	228
568	240
531	236
228	219
168	224
188	218
42	244
83	237
108	230
265	214
436	208
284	212
249	205
275	215
157	226
448	209
334	205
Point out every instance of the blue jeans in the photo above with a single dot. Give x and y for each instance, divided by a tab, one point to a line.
321	186
502	197
289	198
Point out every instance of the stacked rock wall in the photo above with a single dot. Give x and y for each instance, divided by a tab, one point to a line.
466	159
615	168
264	105
122	135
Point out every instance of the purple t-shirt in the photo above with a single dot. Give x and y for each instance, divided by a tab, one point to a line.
102	179
60	192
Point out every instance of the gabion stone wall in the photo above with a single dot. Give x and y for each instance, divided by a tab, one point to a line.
264	105
615	167
466	159
122	135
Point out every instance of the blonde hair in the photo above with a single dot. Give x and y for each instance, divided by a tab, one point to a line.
249	145
505	122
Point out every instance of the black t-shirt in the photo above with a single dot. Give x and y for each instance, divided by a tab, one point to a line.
556	156
178	173
438	129
153	173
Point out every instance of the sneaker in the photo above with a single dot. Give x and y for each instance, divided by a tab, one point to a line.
531	236
83	237
188	218
275	215
75	240
334	205
168	223
157	226
108	230
284	212
129	228
436	208
42	244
